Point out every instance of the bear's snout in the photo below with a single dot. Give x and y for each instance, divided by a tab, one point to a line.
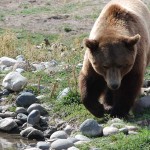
114	86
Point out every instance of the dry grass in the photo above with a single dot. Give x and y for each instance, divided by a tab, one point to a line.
10	46
8	42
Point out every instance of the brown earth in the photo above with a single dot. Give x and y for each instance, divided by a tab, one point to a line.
50	16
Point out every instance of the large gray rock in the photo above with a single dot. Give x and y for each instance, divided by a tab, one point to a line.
14	81
7	124
26	99
33	117
91	128
38	107
61	144
141	104
7	61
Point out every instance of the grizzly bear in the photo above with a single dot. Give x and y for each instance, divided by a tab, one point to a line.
117	54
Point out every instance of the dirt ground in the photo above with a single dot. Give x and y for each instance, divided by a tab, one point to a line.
49	16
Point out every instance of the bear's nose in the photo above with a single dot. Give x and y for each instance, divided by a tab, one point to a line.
114	86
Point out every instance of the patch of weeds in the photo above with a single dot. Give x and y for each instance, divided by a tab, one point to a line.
33	89
12	109
67	29
71	98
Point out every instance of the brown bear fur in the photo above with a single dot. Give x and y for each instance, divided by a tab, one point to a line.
118	51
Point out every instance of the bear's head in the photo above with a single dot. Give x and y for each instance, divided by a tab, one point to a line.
112	57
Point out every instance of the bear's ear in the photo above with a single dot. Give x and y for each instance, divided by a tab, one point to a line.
91	44
131	41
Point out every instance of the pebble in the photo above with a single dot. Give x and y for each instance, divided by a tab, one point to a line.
21	110
91	128
68	129
22	117
132	128
63	93
38	107
73	148
110	130
43	145
82	137
33	117
61	144
59	135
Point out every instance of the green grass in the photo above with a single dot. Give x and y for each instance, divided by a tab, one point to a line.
121	142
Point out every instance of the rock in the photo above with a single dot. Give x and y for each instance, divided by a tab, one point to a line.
91	128
141	104
40	97
20	58
39	67
73	139
33	148
82	138
49	131
8	114
79	65
7	61
33	117
124	130
132	132
5	92
132	128
19	122
68	129
14	81
115	120
22	117
43	145
72	148
21	110
8	69
19	70
7	124
63	93
59	135
26	99
80	142
38	107
23	65
36	134
25	132
110	130
61	144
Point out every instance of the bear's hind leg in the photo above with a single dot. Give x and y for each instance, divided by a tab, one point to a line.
90	90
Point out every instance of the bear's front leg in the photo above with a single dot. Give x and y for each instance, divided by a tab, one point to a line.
125	96
90	89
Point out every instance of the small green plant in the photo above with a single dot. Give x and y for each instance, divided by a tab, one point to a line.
71	98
